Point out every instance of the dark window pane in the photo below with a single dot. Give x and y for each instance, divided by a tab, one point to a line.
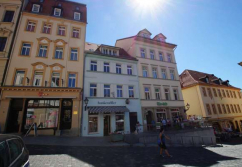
4	155
15	148
8	16
3	41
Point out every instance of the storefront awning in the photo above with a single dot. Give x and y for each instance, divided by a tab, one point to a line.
106	109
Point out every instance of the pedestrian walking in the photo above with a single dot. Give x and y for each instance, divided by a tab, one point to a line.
162	143
164	124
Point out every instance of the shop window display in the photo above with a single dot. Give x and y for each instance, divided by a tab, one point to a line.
119	122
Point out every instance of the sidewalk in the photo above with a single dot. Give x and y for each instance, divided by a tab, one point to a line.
73	141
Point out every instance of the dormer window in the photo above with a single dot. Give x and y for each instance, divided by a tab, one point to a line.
207	80
57	12
220	82
36	8
160	39
146	35
77	16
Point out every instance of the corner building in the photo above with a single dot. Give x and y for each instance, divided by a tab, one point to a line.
44	79
160	88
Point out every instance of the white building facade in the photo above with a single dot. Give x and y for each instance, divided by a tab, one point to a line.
111	86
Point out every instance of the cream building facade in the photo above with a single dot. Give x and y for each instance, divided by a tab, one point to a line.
212	98
160	89
44	81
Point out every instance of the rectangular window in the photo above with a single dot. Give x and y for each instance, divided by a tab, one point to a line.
38	78
42	51
157	93
61	30
172	74
154	72
142	53
31	26
72	80
219	93
239	94
235	108
223	92
93	90
129	70
239	108
152	55
231	94
75	33
46	28
176	96
214	109
35	8
224	109
57	12
119	122
106	90
3	41
59	53
163	73
208	109
147	93
118	69
232	108
145	71
93	124
215	92
161	56
167	93
119	91
210	93
25	51
131	92
227	92
106	67
8	17
55	80
93	66
19	78
228	109
204	92
169	58
219	109
74	54
77	16
234	94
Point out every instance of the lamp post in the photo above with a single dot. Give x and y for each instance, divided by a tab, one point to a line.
127	101
86	102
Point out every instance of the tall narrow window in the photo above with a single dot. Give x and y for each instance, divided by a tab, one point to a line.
129	70
55	81
119	122
234	94
119	91
42	51
169	58
25	51
38	78
175	91
161	56
152	55
219	109
8	17
35	8
3	41
224	109
235	108
93	123
61	30
163	73
74	54
106	67
239	108
228	108
77	16
118	69
57	12
204	92
31	26
154	71
19	78
214	109
239	94
231	94
227	92
232	108
93	90
215	92
59	53
142	53
106	90
131	92
167	93
145	71
46	28
172	74
93	66
219	93
147	93
210	93
157	93
208	109
75	33
223	92
72	80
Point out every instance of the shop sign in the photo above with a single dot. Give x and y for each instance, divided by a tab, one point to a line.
106	102
75	112
162	104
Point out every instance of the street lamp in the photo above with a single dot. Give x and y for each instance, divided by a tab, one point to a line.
240	63
86	102
187	107
127	101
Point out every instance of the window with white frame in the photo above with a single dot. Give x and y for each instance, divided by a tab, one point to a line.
176	96
74	54
93	90
38	78
42	51
92	123
59	53
93	66
106	90
161	56
129	70
75	33
167	93
55	80
57	12
157	93
72	80
36	8
77	16
119	91
163	73
106	67
25	51
46	28
105	51
142	53
115	53
169	58
61	30
31	26
154	71
147	93
145	71
152	54
118	69
172	74
131	92
19	78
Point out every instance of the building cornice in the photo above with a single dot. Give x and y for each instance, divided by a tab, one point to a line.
216	86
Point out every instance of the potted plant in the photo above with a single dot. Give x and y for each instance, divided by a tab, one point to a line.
117	136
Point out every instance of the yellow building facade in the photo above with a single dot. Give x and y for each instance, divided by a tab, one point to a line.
212	98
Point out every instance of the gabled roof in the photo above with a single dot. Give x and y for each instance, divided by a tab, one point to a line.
161	35
144	30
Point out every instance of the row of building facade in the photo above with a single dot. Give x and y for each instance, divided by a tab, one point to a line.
53	77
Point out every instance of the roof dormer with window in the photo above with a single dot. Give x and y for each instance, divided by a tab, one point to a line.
160	37
144	33
109	51
36	8
57	11
205	79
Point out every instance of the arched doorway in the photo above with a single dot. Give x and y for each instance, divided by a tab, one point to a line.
149	116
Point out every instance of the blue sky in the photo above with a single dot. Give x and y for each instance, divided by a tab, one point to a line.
208	32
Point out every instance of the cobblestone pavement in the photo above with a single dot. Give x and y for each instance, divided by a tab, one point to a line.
71	156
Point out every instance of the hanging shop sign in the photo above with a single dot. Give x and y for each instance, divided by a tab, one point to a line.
162	104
